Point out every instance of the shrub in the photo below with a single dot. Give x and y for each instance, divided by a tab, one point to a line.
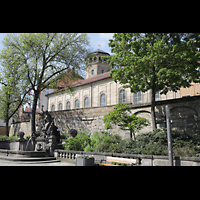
152	143
77	143
5	138
104	142
155	143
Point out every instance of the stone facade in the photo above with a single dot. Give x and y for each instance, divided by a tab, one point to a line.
184	115
24	126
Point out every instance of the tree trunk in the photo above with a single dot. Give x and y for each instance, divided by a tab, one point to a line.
153	95
7	118
34	111
131	135
153	114
7	128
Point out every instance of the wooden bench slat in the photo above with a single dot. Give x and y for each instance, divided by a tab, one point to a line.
118	160
121	160
106	164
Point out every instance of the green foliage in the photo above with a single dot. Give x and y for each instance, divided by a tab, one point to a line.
43	57
141	59
155	143
13	87
121	116
6	138
77	143
152	143
157	61
104	142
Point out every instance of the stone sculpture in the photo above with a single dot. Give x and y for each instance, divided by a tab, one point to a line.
45	127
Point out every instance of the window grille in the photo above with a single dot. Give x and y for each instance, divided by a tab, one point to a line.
68	105
86	103
122	96
138	98
52	108
77	103
103	100
60	106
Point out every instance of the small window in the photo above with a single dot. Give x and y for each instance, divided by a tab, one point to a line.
68	105
157	96
102	71
138	98
77	104
92	72
52	108
95	58
103	100
122	96
60	106
86	103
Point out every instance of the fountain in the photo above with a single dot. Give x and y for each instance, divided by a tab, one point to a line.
42	142
47	137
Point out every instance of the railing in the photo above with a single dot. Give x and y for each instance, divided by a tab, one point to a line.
144	160
71	155
66	154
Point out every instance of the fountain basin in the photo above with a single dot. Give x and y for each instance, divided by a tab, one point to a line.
22	154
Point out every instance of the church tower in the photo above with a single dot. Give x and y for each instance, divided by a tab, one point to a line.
96	65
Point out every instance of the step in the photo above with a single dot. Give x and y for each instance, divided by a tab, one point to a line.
31	159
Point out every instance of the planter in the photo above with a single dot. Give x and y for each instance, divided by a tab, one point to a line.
84	161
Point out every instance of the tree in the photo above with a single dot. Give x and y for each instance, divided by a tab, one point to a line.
45	56
155	61
121	116
13	89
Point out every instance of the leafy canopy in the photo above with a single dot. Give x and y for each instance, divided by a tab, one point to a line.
121	116
158	61
44	56
13	87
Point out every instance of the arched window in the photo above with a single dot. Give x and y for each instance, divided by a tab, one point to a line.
77	103
60	106
86	102
103	100
122	96
138	98
68	105
52	108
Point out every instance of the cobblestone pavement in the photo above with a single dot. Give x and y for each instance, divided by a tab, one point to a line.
14	163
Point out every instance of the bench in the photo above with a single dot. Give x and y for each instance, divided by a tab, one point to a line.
111	160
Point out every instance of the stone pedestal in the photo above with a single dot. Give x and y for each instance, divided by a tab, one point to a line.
51	145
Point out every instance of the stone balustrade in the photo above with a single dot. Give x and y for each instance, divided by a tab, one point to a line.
143	160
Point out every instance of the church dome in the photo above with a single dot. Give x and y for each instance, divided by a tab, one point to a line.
99	51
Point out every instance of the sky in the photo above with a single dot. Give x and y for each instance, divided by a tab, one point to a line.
95	40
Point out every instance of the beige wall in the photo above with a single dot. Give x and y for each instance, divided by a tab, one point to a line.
111	90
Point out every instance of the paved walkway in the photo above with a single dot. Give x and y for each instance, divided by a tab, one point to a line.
15	163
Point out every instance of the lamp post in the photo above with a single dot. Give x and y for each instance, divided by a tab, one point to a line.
169	135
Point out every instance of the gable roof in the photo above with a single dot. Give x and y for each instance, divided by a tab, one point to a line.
93	79
87	81
65	79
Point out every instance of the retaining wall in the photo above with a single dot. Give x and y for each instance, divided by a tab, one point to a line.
184	116
143	160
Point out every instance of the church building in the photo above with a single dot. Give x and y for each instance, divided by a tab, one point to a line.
98	90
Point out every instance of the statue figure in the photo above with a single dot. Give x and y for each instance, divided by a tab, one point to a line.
46	127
